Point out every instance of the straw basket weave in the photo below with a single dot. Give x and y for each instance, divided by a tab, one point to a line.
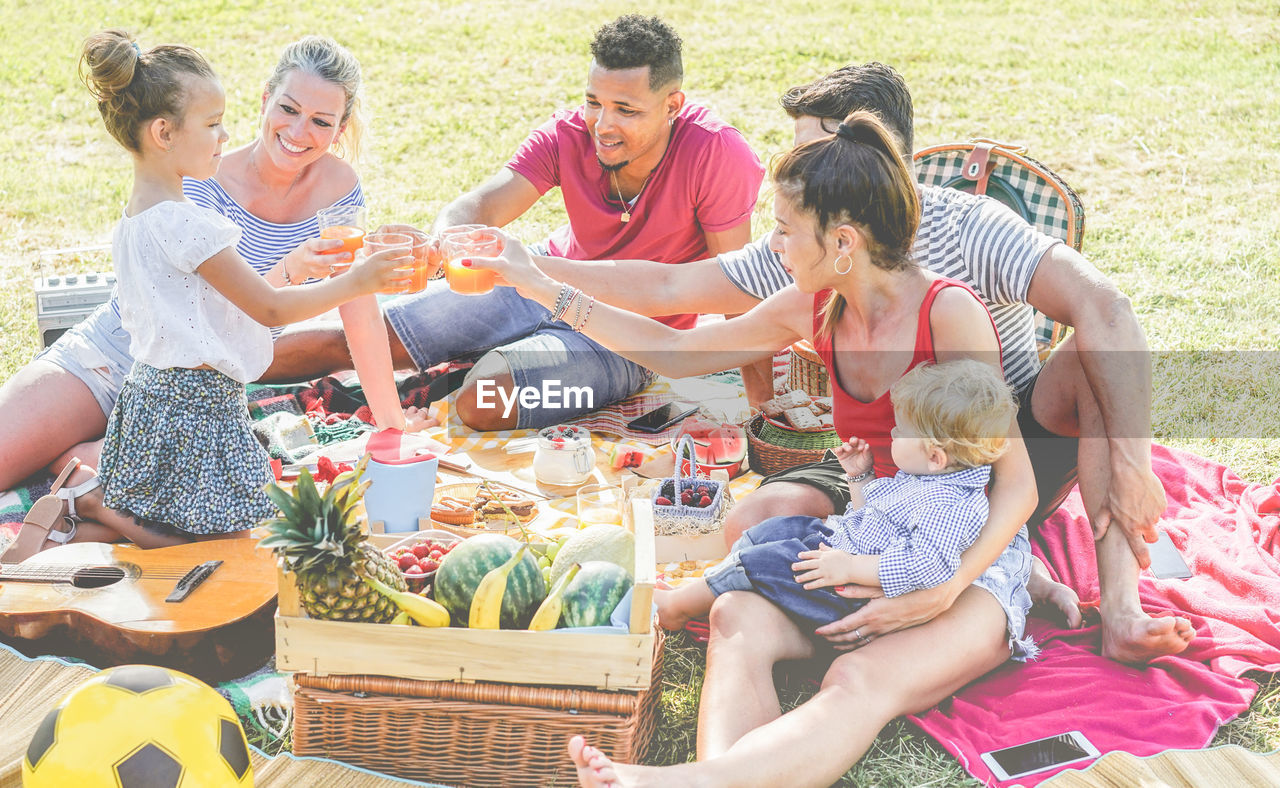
475	734
806	372
776	448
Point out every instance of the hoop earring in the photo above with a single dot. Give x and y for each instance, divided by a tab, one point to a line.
836	264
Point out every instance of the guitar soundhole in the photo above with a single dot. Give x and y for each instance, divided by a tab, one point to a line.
97	577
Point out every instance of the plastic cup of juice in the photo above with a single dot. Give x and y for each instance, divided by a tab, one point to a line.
458	245
425	260
600	504
380	242
344	223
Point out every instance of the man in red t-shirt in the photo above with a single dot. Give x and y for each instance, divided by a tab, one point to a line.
643	174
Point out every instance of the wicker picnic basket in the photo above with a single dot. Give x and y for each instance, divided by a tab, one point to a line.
474	734
806	372
676	518
775	447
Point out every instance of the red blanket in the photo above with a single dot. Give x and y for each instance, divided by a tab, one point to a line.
1226	529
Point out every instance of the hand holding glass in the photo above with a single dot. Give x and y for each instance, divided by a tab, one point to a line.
460	243
345	223
381	242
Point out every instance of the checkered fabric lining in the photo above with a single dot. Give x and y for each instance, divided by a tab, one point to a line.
1054	206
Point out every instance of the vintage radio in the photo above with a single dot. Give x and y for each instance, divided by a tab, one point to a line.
62	300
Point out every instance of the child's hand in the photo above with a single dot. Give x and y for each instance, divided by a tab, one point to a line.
313	259
854	456
388	271
824	567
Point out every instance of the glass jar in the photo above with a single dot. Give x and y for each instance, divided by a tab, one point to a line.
565	455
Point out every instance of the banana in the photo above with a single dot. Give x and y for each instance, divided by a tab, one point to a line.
486	604
548	615
423	611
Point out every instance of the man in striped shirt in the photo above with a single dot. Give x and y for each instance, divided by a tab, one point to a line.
1084	408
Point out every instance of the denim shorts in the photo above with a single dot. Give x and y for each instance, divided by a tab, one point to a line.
760	561
439	325
96	351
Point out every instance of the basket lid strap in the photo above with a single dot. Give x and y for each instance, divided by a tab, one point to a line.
978	166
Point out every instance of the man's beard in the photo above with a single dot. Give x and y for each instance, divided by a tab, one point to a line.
611	167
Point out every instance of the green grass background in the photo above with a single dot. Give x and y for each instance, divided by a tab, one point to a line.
1162	115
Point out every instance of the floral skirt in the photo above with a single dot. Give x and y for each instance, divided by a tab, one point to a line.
179	452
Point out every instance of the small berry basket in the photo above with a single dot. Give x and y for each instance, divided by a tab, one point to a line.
688	505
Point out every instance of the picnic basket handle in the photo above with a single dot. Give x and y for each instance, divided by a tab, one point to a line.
685	441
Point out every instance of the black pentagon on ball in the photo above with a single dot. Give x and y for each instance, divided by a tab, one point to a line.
149	766
43	738
139	678
232	747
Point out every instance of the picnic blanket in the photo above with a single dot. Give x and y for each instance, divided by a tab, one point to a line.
1226	529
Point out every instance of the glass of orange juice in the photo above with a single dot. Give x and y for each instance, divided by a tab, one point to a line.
344	223
426	259
459	243
380	242
600	504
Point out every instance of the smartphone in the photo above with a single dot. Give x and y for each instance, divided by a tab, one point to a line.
1039	755
1166	562
662	417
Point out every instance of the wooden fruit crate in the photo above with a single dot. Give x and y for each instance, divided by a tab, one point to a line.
613	661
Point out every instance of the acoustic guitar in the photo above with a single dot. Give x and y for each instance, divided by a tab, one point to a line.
204	608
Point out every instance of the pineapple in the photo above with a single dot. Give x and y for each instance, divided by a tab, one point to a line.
320	541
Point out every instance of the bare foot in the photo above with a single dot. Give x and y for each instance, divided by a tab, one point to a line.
594	769
1139	638
418	419
1047	592
680	605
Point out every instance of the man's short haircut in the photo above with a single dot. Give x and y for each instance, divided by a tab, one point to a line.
872	86
633	41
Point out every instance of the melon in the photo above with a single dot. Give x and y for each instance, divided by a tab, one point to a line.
592	595
611	543
463	567
727	445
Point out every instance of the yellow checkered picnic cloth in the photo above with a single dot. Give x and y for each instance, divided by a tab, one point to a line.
461	438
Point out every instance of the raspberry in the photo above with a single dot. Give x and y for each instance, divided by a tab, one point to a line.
662	501
704	501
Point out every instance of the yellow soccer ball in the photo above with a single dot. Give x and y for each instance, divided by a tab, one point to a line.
139	725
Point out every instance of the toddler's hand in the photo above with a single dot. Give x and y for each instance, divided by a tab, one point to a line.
823	567
854	456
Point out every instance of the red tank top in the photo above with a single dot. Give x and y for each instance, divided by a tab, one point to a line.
873	420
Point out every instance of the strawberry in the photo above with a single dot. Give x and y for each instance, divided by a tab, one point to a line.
662	500
406	560
421	550
704	502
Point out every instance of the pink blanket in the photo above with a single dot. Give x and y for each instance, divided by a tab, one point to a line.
1227	531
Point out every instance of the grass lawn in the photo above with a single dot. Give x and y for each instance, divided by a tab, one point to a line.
1162	115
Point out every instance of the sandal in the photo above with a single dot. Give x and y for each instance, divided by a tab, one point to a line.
40	524
38	527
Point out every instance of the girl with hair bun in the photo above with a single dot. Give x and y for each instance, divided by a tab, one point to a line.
179	461
310	134
846	212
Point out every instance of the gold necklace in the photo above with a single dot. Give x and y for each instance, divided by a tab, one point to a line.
263	180
627	206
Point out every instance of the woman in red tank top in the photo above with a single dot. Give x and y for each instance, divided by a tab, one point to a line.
847	211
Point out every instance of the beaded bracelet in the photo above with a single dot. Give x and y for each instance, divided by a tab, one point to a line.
578	298
563	302
581	324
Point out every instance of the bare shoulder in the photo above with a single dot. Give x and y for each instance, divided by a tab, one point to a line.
960	321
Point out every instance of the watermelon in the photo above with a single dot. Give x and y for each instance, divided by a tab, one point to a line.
592	595
727	445
464	566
